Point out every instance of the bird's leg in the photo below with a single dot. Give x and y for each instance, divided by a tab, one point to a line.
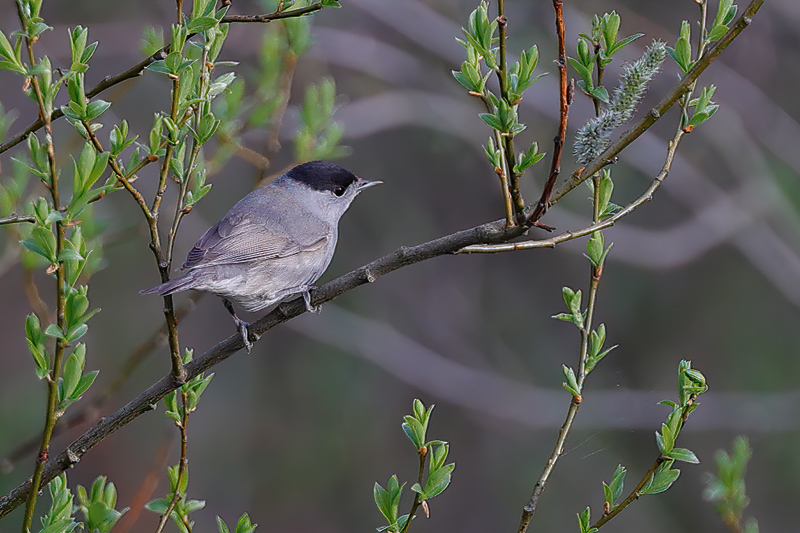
241	325
307	299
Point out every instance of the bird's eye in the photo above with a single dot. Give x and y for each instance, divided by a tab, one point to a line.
338	191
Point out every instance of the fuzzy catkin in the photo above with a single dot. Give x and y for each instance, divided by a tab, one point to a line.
593	138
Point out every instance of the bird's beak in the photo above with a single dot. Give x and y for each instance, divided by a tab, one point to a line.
365	184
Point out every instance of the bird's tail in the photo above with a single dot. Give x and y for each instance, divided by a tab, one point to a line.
174	285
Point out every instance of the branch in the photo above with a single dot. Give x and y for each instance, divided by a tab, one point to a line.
607	157
299	12
15	219
564	102
492	232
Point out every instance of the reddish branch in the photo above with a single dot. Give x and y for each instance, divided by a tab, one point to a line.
564	101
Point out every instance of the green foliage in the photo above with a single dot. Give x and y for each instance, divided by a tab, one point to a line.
433	460
597	339
726	11
585	520
613	492
193	389
59	518
242	526
570	383
319	136
573	301
597	51
704	108
74	383
183	507
388	502
98	506
727	488
682	53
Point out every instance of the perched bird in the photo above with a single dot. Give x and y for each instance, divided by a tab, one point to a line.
274	243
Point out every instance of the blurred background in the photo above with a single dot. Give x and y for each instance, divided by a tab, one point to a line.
297	432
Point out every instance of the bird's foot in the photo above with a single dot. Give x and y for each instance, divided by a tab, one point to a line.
307	299
244	331
241	326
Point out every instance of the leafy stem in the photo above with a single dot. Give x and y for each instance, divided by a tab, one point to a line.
183	464
61	344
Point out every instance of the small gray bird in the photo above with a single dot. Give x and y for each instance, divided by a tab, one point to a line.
274	243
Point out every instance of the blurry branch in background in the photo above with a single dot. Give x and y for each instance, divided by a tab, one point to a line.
726	488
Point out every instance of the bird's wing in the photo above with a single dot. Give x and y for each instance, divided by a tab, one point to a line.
239	239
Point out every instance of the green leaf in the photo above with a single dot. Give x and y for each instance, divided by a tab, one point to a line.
414	431
662	479
585	520
54	331
158	506
682	454
617	483
201	24
35	338
571	383
583	72
438	481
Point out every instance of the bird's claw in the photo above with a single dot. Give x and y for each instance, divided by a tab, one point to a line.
244	331
307	299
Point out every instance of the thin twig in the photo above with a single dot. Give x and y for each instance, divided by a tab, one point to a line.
183	464
423	452
564	97
637	491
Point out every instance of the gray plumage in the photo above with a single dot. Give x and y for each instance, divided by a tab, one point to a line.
275	242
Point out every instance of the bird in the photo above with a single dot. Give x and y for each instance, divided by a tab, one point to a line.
274	243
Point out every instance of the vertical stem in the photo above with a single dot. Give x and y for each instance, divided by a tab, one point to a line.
507	145
55	371
564	102
178	372
423	452
183	465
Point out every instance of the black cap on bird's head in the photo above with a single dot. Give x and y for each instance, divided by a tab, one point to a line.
323	176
